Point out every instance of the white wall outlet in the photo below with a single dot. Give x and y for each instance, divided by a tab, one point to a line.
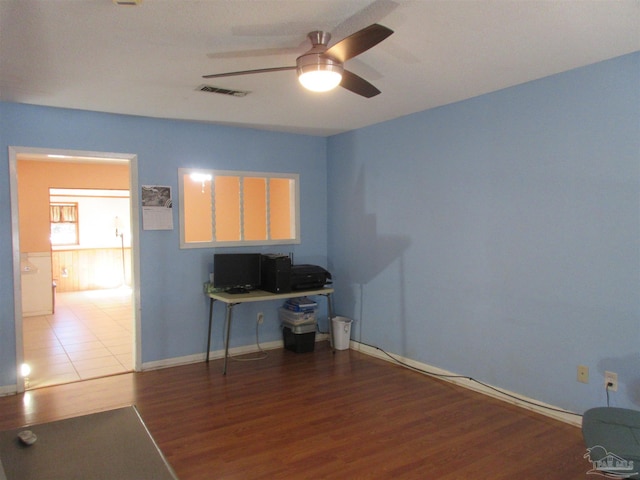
583	374
260	318
611	381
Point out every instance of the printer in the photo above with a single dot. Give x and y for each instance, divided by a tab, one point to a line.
309	277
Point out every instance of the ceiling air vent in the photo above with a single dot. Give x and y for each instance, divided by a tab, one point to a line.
222	91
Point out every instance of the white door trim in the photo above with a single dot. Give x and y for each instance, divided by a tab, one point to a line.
81	157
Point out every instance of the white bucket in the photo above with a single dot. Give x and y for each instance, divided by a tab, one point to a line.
341	329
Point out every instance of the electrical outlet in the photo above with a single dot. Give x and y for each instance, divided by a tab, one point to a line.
611	381
583	374
260	318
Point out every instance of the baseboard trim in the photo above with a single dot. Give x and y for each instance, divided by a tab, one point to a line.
8	390
521	401
213	355
217	354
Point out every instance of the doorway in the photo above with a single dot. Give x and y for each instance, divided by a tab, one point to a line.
89	326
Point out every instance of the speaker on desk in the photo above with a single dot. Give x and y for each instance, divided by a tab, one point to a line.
275	273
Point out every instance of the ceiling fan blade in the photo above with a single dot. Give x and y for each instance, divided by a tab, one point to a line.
248	72
359	85
259	52
375	12
359	42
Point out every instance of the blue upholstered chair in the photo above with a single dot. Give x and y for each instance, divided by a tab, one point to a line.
612	437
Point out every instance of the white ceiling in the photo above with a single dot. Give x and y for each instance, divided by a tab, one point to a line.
149	59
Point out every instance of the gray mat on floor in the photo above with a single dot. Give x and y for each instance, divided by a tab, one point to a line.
112	445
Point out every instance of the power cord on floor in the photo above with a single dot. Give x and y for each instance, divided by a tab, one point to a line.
471	379
262	355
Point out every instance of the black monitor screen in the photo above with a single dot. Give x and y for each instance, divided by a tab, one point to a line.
236	270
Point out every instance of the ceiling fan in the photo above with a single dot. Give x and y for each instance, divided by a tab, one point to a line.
321	68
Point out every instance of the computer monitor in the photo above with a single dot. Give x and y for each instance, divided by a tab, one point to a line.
236	272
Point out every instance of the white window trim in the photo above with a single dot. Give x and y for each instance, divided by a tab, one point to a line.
295	205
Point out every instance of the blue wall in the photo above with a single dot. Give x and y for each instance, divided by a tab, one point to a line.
499	237
174	309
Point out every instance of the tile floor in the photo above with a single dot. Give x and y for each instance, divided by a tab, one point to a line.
89	335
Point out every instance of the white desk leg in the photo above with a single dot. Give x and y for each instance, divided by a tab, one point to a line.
226	339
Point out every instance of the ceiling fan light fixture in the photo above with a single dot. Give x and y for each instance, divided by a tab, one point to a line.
318	73
320	80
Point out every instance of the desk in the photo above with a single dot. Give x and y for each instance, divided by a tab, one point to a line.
233	299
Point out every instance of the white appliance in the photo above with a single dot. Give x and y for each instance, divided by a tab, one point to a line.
37	283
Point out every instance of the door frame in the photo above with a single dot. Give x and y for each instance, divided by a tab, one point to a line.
79	156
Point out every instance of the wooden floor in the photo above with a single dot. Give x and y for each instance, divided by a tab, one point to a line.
319	415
